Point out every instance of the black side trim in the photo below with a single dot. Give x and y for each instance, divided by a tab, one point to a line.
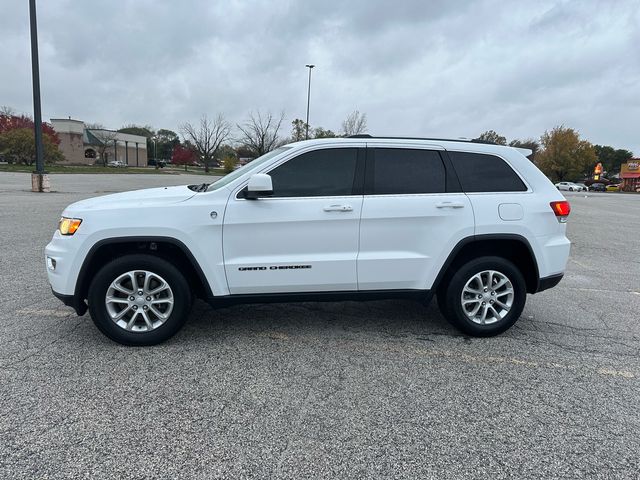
489	236
339	296
358	178
70	301
115	240
551	281
453	182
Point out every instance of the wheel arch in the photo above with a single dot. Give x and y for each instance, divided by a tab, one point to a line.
168	248
512	247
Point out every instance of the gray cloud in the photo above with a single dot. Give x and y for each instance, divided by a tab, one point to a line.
416	68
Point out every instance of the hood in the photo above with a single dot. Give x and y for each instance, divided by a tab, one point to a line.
136	198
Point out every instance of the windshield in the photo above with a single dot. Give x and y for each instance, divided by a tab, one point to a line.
246	168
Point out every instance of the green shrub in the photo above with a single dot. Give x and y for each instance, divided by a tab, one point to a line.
229	163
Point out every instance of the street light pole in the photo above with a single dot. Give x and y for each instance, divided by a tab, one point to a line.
306	135
155	151
39	179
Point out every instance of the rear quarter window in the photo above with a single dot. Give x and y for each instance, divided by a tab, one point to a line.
480	172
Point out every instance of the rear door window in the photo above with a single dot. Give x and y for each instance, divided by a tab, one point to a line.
403	171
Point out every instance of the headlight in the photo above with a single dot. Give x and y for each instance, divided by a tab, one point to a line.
68	226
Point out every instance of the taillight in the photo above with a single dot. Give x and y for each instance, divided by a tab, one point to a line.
561	209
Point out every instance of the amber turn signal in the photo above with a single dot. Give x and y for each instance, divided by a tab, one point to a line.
68	226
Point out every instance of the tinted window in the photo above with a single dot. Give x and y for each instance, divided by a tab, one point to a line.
245	168
403	171
485	173
327	172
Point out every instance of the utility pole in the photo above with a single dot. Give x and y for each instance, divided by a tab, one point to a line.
39	178
306	135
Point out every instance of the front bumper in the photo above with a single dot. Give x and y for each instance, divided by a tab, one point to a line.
61	257
71	301
66	252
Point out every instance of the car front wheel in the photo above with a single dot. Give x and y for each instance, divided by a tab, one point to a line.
484	297
139	300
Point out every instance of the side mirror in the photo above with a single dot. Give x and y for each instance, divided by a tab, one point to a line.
259	185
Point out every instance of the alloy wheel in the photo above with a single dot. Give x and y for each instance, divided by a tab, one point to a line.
487	297
139	301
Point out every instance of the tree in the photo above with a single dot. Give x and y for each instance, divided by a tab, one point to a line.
106	139
225	151
166	141
207	137
229	163
260	133
298	130
354	124
564	156
18	146
183	156
491	136
131	129
6	110
320	132
10	121
612	158
244	152
529	143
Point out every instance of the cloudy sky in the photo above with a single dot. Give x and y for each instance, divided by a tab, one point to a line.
415	67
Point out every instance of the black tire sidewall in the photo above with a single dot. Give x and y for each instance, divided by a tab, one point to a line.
452	308
108	273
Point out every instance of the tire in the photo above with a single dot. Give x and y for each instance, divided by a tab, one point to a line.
160	311
453	293
571	189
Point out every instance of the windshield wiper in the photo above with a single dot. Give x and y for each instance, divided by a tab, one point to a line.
199	188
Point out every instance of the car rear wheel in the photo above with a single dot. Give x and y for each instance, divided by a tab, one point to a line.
139	300
484	297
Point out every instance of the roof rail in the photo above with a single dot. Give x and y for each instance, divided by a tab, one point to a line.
473	140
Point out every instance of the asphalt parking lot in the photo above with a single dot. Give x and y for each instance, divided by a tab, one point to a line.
382	389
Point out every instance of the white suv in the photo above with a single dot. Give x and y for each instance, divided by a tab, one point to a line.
333	219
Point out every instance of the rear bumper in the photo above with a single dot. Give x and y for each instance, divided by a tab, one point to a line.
70	301
551	281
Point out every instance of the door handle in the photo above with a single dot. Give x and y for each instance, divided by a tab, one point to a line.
450	205
338	208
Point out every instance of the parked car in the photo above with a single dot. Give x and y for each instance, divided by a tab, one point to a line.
337	219
116	163
583	187
153	162
570	186
613	188
598	187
